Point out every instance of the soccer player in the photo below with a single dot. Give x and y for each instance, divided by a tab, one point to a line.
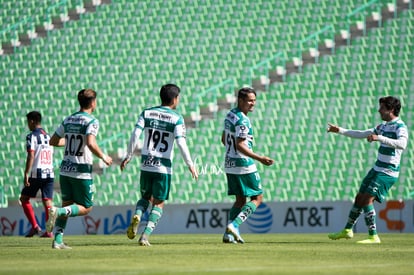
161	126
243	180
38	173
77	134
392	136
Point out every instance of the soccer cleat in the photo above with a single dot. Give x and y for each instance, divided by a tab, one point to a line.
235	232
372	239
228	238
143	241
47	235
34	231
56	245
344	234
52	219
133	227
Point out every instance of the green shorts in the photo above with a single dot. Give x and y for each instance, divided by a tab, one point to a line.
246	185
377	184
156	185
80	191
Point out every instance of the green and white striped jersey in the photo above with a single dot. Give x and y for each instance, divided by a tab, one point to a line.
389	155
161	126
237	125
78	158
393	138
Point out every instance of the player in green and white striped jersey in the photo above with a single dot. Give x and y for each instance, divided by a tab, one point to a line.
393	138
77	134
162	126
243	180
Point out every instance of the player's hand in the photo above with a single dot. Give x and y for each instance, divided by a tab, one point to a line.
123	164
266	161
26	181
107	160
332	128
372	138
194	173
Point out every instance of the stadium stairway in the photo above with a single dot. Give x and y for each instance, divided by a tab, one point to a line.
372	21
71	12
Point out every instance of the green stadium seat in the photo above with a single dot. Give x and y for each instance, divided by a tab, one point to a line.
125	50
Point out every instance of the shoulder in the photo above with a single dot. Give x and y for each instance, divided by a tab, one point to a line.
29	135
234	115
88	118
36	132
401	124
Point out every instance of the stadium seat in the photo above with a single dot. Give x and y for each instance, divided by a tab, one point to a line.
127	50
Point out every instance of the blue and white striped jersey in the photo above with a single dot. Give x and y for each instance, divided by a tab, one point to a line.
38	142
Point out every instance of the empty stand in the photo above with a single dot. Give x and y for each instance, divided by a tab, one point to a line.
126	51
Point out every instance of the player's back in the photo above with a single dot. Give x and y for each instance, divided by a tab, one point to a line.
78	158
162	126
38	142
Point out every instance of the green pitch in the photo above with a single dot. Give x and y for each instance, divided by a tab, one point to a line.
205	254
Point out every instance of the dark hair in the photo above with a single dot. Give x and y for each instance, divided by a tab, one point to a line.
168	92
85	97
391	103
35	116
243	92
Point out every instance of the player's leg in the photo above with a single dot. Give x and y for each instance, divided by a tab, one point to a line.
377	190
161	184
142	204
247	210
232	190
27	193
140	208
361	200
370	221
30	215
234	211
59	226
77	191
77	197
250	184
47	199
153	219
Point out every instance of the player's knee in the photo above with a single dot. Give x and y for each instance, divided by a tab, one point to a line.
257	199
88	210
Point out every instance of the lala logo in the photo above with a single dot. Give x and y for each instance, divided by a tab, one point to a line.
91	226
118	224
7	227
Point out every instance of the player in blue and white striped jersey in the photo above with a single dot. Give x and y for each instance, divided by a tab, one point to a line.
38	173
393	137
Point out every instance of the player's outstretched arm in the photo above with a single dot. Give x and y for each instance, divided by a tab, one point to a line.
332	128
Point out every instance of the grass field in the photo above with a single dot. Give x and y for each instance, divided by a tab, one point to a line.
205	254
